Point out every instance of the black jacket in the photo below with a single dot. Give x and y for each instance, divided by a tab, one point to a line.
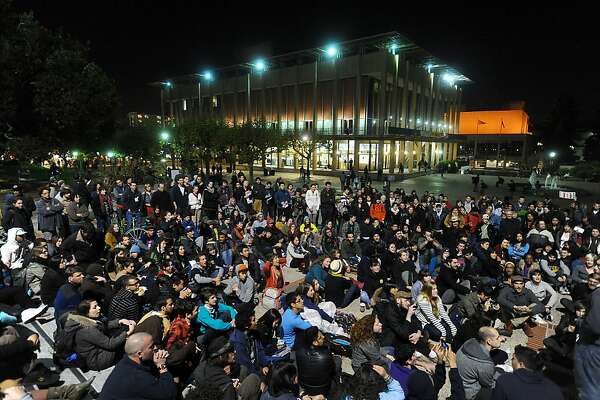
316	369
180	199
447	279
335	289
373	281
524	384
133	200
210	201
84	252
133	381
162	201
396	329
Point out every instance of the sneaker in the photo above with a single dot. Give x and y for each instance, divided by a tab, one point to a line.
549	317
504	332
362	307
31	313
537	318
7	318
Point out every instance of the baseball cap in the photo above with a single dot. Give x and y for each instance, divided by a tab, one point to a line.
242	267
20	231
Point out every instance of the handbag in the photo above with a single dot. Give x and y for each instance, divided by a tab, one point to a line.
272	298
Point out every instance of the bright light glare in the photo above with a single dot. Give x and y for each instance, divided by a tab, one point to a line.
448	78
110	154
305	138
332	51
164	135
552	154
260	65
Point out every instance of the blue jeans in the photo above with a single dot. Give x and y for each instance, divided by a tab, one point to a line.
352	293
364	298
587	365
129	216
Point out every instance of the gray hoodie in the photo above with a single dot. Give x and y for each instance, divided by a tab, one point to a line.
475	367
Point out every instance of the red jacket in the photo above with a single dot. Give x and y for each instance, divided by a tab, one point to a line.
271	276
377	211
471	222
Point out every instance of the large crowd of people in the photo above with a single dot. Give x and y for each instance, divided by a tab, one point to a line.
180	287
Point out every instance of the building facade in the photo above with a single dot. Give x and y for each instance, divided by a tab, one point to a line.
383	102
497	139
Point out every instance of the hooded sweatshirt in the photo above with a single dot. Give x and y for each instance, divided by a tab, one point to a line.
16	255
475	367
524	384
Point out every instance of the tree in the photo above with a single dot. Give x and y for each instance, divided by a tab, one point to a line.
558	128
305	143
253	140
196	141
50	91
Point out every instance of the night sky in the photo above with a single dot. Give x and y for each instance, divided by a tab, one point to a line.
511	54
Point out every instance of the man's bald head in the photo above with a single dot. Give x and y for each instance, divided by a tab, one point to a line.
489	337
137	343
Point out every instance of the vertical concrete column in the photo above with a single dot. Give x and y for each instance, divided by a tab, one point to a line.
394	113
235	100
357	95
296	95
428	152
314	100
404	113
411	156
248	100
412	118
383	109
380	154
278	99
392	164
419	149
334	161
335	101
454	151
356	154
402	156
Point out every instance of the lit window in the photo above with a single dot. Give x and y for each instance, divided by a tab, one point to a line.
215	103
184	105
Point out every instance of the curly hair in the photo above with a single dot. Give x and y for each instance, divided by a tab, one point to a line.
362	330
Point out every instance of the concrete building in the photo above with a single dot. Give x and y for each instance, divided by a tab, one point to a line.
382	101
498	139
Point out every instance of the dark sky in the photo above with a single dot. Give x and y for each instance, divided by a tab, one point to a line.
512	54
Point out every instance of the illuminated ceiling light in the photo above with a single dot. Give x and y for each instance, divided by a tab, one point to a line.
418	120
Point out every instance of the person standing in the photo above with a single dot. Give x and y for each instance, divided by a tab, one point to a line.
133	205
49	217
161	199
17	217
328	203
313	203
179	195
78	213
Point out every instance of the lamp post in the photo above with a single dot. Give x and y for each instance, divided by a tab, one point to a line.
207	77
164	138
164	85
110	154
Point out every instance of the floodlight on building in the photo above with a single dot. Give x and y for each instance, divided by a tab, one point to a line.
552	154
449	78
260	65
332	51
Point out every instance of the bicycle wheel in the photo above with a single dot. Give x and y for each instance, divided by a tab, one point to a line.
135	234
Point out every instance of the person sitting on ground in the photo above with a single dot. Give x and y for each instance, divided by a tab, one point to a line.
240	289
142	374
364	338
397	316
282	383
69	296
340	289
373	382
214	318
475	364
316	366
518	305
127	302
158	322
98	349
318	272
473	312
351	251
450	284
544	293
291	320
527	380
221	368
420	378
373	280
433	316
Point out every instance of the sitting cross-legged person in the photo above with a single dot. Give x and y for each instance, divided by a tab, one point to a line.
214	318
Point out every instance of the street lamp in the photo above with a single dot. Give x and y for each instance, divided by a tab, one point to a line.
552	154
164	136
207	77
260	65
332	51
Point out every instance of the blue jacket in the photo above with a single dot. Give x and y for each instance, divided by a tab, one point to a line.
316	272
205	320
518	253
67	299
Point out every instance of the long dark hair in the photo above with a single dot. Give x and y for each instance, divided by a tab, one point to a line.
281	378
367	384
264	325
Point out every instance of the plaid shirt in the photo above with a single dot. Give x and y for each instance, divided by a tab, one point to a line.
180	331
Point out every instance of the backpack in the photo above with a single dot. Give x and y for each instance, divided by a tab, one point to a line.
65	355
